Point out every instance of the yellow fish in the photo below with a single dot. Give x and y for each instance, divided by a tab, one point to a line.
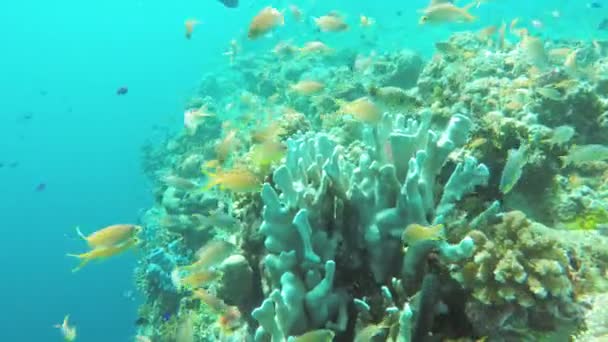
330	23
446	12
103	253
265	154
68	332
211	254
363	109
111	235
237	180
416	232
319	335
307	87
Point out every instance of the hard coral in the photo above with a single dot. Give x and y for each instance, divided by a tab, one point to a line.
521	272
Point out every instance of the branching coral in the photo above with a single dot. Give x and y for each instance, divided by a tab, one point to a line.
330	210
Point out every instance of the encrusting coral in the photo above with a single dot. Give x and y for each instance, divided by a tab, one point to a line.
521	273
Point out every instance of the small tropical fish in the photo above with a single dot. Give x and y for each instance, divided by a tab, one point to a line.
225	147
307	87
230	3
561	135
189	25
585	154
537	24
445	12
549	93
193	118
535	51
194	280
102	253
218	219
362	109
113	235
211	254
513	169
416	232
570	65
265	21
320	335
594	4
68	332
391	96
178	182
267	133
237	180
365	21
122	91
267	153
330	23
315	47
210	300
603	25
40	187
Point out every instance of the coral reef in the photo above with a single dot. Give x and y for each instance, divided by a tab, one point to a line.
388	227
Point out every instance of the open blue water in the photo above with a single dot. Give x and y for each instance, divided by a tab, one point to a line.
60	65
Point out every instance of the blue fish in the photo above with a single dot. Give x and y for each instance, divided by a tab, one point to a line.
594	4
230	3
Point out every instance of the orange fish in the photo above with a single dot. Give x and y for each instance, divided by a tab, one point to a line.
225	147
315	47
330	23
265	21
189	24
198	279
211	254
363	109
212	301
237	180
103	253
111	235
307	87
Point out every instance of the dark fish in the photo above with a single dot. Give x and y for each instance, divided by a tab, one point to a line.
141	321
166	316
26	116
13	165
594	4
1	164
122	91
43	92
603	25
40	187
230	3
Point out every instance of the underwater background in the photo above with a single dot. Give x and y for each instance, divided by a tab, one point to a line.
71	147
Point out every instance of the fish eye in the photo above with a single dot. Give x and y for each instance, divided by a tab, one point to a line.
423	19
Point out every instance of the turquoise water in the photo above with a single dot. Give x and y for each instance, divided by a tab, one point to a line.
61	63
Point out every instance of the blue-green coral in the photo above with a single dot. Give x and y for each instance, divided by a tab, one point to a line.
327	206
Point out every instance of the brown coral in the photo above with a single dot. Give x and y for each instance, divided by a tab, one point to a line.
518	269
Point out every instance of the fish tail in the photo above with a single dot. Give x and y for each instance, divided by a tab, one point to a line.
83	261
213	180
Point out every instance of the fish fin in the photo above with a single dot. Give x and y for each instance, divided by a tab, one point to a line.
80	233
83	261
474	3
